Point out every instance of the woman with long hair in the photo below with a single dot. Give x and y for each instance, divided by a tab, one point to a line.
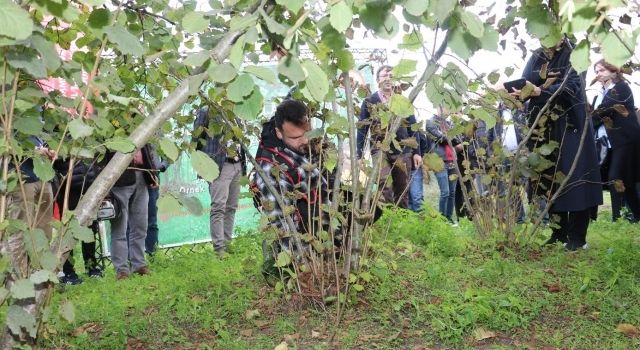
614	108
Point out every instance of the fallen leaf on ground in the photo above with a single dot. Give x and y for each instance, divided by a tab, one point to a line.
282	346
135	344
552	288
246	332
315	334
291	338
482	334
629	330
87	327
251	314
262	324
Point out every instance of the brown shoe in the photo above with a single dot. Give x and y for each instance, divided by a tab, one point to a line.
122	275
143	271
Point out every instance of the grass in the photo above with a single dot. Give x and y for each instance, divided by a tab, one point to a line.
432	287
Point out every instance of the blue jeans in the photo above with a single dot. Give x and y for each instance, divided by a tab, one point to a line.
447	193
151	241
415	190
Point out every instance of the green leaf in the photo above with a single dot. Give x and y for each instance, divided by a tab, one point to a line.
283	259
120	144
81	233
580	56
194	22
78	129
67	311
405	69
293	5
472	23
15	22
23	289
618	51
461	44
125	101
242	22
222	73
94	3
345	60
126	42
263	73
316	81
441	8
489	40
168	204
400	106
236	55
99	18
340	16
35	241
583	17
27	62
197	59
241	87
47	52
48	261
273	25
42	276
433	162
28	125
482	114
18	319
539	21
358	287
169	148
291	68
412	41
251	107
416	7
43	169
204	166
193	204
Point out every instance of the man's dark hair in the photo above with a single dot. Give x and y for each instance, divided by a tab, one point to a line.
292	111
384	67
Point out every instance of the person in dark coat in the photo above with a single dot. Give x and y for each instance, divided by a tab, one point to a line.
83	175
397	163
563	125
614	112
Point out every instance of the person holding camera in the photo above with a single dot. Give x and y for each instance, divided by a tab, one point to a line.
558	111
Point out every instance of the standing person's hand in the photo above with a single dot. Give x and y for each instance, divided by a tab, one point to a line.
536	91
49	153
417	161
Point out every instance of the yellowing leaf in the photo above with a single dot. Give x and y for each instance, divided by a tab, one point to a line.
629	330
482	334
282	346
621	109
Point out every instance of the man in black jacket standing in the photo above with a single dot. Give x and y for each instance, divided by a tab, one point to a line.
225	189
397	162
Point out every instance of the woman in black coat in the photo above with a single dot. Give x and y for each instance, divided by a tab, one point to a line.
614	108
562	126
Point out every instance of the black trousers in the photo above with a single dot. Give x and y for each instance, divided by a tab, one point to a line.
572	227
